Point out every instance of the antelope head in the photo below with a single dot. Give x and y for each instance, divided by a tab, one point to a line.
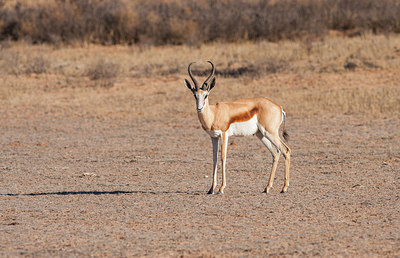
201	94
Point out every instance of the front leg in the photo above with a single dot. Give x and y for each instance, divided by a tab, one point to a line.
223	157
215	144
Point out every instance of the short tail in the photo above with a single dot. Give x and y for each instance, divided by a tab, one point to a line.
284	134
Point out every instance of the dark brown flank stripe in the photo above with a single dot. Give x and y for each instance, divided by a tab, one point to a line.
235	119
242	117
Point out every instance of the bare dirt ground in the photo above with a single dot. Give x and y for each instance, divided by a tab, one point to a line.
77	185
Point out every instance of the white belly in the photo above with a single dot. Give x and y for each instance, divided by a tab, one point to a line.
246	128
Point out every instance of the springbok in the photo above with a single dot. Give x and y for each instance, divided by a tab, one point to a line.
243	117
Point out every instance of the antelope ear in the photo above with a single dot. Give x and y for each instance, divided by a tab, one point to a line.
212	84
187	83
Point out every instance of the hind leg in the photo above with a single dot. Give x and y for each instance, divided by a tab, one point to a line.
275	158
286	154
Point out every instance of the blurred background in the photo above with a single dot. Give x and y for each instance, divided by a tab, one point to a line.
192	22
103	44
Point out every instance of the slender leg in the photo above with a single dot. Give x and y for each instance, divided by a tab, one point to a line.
215	144
275	158
286	154
223	157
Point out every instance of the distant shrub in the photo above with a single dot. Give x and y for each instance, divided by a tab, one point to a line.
161	22
16	63
104	72
12	62
38	64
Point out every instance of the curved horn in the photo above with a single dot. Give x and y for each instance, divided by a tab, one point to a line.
211	75
196	84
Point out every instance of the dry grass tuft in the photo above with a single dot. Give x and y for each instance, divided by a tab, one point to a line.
104	71
19	62
38	64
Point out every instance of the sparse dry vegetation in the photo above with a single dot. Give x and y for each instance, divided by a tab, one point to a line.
137	81
297	52
192	22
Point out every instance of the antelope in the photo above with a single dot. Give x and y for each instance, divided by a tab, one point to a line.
244	117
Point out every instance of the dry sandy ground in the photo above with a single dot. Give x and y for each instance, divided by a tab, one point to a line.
81	186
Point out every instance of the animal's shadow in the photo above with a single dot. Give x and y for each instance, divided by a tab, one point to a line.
101	193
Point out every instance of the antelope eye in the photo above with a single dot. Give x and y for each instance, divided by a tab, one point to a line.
205	96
